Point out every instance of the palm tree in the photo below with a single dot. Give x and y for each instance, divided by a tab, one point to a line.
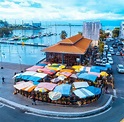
63	34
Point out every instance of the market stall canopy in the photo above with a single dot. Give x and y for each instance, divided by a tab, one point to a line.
55	80
87	69
94	73
40	89
67	70
23	85
55	95
101	68
87	92
49	86
34	68
36	77
64	89
47	71
87	76
43	64
67	74
30	88
94	69
62	77
78	68
104	74
73	76
80	84
26	75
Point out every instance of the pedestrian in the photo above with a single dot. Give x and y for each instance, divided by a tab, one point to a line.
3	80
33	97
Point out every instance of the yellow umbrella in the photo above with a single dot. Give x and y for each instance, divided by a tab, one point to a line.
77	68
104	74
42	90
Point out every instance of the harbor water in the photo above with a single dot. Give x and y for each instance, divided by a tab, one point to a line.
30	55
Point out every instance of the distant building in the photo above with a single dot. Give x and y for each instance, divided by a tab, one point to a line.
91	31
36	25
121	33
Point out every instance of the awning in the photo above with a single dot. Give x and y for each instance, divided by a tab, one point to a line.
87	76
80	84
49	86
34	68
64	89
87	92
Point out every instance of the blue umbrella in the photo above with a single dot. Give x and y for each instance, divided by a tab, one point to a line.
64	89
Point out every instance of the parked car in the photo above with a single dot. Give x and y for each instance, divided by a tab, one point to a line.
104	60
109	56
105	47
110	60
112	52
118	53
114	45
100	62
120	68
122	53
110	49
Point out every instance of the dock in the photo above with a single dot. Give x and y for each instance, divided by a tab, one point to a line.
23	44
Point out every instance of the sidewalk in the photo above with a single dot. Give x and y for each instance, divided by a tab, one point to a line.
20	102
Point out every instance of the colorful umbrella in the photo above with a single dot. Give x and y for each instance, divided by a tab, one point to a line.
104	74
40	89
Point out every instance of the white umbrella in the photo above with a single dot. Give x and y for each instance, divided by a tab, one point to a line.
55	95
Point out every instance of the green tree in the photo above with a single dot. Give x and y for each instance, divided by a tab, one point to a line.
80	33
101	46
115	32
63	34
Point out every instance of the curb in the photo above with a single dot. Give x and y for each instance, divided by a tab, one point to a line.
58	114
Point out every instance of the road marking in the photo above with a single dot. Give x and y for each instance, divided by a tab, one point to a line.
9	106
115	93
69	117
1	105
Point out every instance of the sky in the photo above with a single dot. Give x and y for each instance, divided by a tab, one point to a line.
61	10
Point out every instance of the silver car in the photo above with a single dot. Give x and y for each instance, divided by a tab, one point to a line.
120	68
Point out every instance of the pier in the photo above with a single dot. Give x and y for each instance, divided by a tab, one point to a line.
23	43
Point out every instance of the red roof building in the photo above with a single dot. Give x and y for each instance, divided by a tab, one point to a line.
69	51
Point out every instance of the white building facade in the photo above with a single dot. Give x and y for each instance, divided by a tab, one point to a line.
121	33
91	31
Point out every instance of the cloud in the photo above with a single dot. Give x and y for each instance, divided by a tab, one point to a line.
42	10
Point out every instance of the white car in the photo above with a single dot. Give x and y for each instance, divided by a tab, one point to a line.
110	60
104	60
118	53
111	49
105	47
109	56
112	52
120	68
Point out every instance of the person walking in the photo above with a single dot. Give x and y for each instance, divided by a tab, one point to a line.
3	80
33	97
